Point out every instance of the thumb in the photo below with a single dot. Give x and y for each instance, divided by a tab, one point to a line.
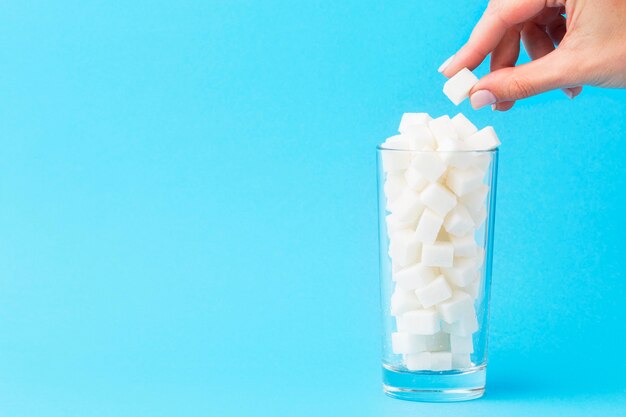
550	72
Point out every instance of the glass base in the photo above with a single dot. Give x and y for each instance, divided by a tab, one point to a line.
430	386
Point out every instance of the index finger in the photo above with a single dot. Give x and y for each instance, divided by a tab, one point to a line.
490	30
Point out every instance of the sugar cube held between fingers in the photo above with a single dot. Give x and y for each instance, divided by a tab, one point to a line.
422	321
460	344
463	126
440	361
429	165
459	221
443	129
413	119
457	88
483	140
428	226
438	198
463	272
456	308
403	301
418	361
438	254
435	292
402	343
414	276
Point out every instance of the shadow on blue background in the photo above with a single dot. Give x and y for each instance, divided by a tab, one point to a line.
188	213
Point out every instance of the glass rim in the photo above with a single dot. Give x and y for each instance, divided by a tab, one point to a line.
463	151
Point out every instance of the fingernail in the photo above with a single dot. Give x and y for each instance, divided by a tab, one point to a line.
494	107
482	98
569	93
443	66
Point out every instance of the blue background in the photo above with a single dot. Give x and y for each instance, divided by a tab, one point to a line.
188	213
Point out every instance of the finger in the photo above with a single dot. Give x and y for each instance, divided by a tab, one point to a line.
539	44
490	30
554	70
506	55
556	29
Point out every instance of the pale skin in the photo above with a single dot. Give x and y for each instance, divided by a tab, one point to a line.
587	47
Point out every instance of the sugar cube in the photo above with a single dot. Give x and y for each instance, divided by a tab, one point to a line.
457	88
435	292
455	308
404	248
428	226
440	361
438	254
413	119
463	272
422	321
429	165
460	344
403	301
483	140
459	221
438	198
414	276
442	128
463	126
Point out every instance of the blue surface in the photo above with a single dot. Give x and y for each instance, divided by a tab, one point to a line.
188	213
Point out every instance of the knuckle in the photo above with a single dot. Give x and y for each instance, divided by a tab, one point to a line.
520	87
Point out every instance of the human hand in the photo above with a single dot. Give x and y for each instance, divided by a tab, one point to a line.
591	49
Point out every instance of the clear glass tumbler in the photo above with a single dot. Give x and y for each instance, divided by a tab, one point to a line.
436	222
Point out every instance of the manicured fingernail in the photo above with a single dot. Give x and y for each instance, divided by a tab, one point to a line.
569	93
443	66
482	98
494	107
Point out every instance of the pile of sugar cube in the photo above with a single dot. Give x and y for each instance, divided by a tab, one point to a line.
436	200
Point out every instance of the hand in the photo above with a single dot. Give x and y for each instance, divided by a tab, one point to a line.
590	49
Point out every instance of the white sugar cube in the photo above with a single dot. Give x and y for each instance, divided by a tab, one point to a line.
394	225
437	342
435	292
404	248
428	226
403	301
473	200
464	181
408	207
413	119
483	140
464	246
480	257
482	161
438	254
463	272
429	165
402	343
394	161
422	321
461	360
415	180
414	276
464	327
397	142
419	137
438	198
440	361
463	126
418	361
455	308
394	186
457	88
460	344
459	221
443	129
473	288
479	216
